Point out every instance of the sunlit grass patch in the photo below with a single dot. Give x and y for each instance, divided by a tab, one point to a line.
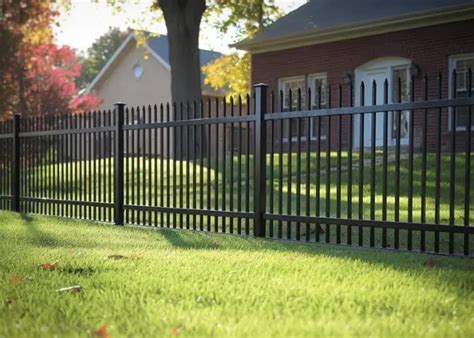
161	283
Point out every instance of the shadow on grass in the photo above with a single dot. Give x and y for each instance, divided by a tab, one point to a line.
190	240
40	238
195	240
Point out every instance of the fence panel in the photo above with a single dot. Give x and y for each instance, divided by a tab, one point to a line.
6	149
66	165
392	172
392	175
192	172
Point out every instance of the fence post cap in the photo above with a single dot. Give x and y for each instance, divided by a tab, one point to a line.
260	85
119	104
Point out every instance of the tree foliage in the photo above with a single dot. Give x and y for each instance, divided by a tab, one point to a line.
36	77
50	82
98	54
229	72
245	17
22	23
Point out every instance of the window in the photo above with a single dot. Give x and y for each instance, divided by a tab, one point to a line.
315	81
401	94
318	84
138	71
461	64
293	84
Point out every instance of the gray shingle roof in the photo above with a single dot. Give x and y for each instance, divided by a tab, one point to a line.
321	15
160	46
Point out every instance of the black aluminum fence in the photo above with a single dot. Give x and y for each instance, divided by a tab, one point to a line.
393	174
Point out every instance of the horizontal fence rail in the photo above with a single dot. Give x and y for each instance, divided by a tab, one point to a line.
384	165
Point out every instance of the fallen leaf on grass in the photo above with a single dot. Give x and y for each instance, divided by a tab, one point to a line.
74	288
117	257
13	279
175	331
49	266
102	332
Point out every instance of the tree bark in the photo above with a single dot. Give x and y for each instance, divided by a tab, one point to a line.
183	18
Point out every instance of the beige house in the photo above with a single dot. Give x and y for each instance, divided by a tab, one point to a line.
139	75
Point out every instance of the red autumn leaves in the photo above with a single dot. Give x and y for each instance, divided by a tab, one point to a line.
49	266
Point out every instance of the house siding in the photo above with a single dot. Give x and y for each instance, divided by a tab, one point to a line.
119	84
428	47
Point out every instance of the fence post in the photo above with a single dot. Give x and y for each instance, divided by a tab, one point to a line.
15	165
260	159
118	163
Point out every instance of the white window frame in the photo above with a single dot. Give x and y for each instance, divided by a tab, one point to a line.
282	89
452	65
393	95
281	86
310	84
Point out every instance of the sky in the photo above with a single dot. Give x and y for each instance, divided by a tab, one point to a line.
86	20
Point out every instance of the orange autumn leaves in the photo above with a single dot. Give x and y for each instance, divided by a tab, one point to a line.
102	332
49	266
14	279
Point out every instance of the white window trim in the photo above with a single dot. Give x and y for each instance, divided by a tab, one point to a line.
451	65
308	79
392	99
310	84
281	89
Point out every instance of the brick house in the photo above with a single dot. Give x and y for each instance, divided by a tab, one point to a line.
338	41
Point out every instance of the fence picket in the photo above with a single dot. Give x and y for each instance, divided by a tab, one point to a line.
171	166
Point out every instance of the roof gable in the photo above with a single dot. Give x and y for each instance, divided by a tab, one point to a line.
158	48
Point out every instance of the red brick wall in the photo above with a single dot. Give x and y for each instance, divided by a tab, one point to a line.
428	47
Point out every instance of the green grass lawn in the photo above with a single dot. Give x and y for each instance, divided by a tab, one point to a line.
152	182
92	180
166	283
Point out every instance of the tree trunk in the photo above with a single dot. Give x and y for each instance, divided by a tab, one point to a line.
183	18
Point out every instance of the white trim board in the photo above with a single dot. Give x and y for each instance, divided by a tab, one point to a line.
451	64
